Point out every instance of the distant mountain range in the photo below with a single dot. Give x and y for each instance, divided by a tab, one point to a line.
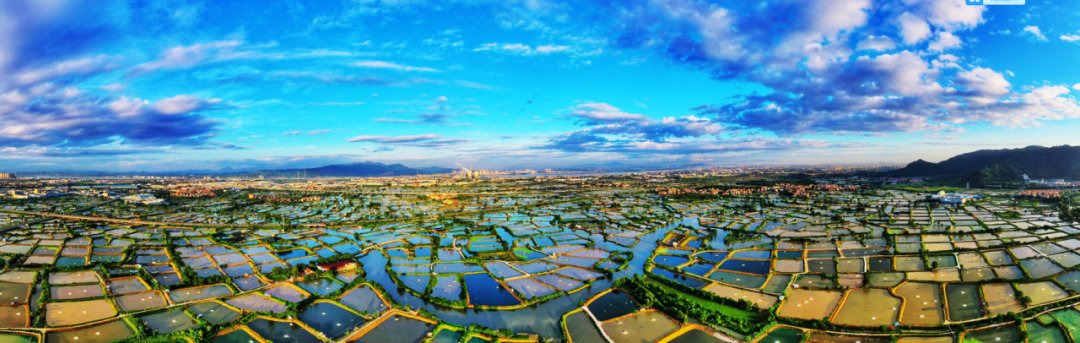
358	169
1001	167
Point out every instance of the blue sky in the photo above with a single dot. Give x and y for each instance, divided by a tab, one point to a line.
186	85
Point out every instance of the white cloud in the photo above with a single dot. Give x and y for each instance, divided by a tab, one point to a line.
904	73
603	112
913	28
878	43
605	119
547	49
950	15
49	114
339	103
945	40
182	104
189	56
81	66
522	49
1070	38
114	87
371	64
128	107
829	17
394	139
1035	32
985	84
1028	109
421	141
309	133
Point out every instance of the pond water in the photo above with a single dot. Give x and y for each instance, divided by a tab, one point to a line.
70	261
715	256
868	307
447	287
418	283
199	293
530	288
641	327
541	319
288	254
614	304
257	302
880	264
398	329
784	335
18	293
106	258
582	329
321	286
754	254
108	332
1006	333
528	254
922	304
699	269
821	266
457	267
16	338
1070	320
777	283
742	280
964	302
76	292
484	290
1041	292
809	304
168	321
697	336
746	266
281	332
1039	267
214	312
1037	332
330	319
670	260
238	336
363	299
501	270
287	292
680	278
941	261
446	336
908	264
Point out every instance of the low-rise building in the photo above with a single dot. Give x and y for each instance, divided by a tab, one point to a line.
145	199
953	198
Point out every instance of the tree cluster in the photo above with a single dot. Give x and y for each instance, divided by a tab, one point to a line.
1069	207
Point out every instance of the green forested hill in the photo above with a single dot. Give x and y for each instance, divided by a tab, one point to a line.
1001	167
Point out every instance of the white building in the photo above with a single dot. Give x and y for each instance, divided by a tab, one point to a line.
145	199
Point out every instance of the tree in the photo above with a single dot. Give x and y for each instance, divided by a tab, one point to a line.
1069	207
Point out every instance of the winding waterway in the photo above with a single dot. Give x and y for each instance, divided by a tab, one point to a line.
541	319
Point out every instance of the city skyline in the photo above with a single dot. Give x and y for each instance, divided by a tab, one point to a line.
528	84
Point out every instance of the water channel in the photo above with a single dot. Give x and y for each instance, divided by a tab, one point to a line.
541	319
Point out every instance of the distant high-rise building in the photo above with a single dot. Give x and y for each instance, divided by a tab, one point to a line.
7	176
